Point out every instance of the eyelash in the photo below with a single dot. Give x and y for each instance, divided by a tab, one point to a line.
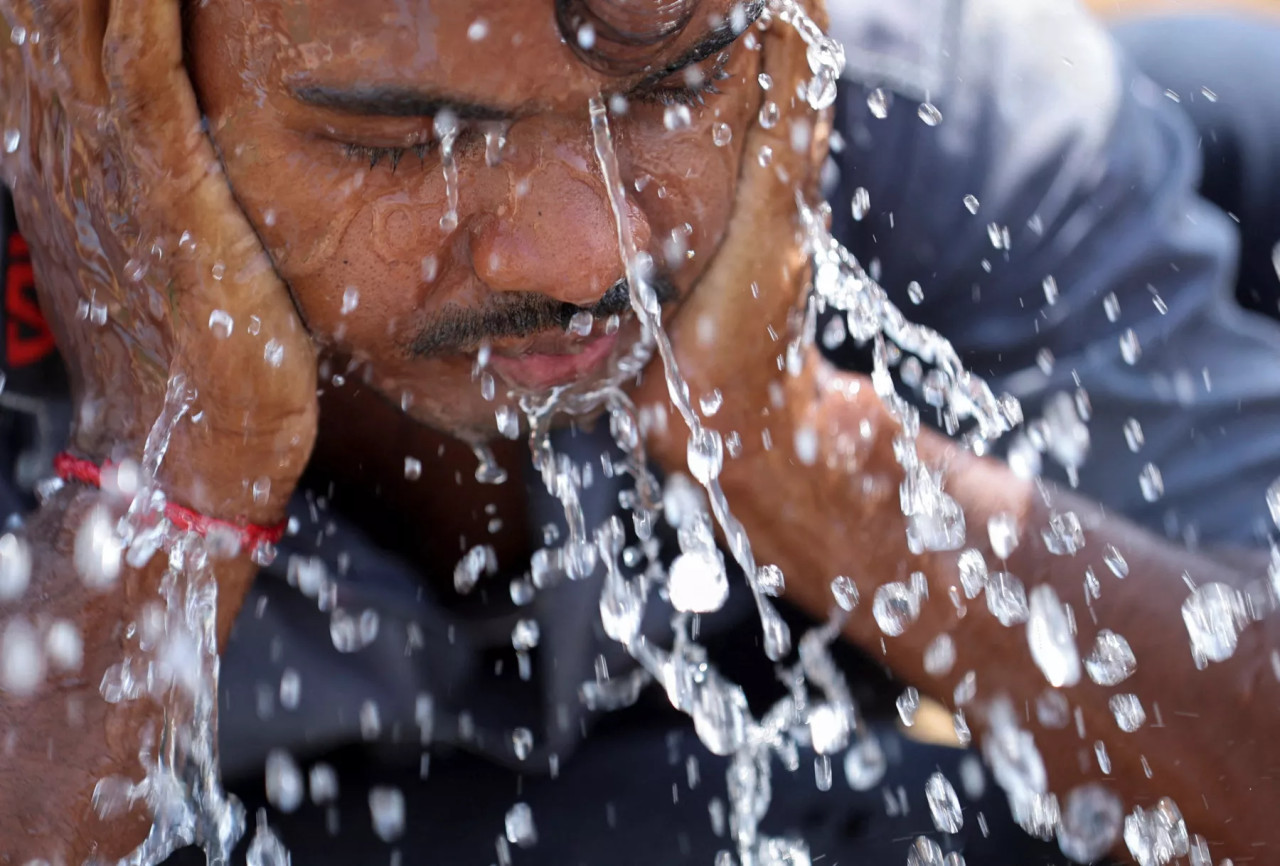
393	155
691	96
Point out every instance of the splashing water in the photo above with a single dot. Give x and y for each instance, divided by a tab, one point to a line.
182	785
176	663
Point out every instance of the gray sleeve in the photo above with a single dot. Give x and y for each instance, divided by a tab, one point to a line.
1085	173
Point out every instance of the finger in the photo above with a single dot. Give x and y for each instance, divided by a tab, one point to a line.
239	341
186	192
70	34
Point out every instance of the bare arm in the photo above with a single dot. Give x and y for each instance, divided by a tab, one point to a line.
62	737
1207	740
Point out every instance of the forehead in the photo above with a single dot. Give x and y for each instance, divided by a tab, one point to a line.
503	51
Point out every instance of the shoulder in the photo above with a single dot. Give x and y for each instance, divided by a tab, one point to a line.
943	50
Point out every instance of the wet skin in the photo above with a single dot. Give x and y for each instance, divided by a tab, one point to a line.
328	113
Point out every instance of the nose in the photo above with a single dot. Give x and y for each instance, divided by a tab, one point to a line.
554	235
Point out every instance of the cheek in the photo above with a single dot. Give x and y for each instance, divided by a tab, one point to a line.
685	186
359	254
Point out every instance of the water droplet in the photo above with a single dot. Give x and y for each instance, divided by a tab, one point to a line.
98	549
971	204
1053	648
720	715
283	781
1151	482
940	656
697	582
478	30
519	826
1064	537
323	781
1112	661
860	204
930	114
1050	286
1052	710
705	455
895	607
266	849
878	101
21	661
350	300
63	646
18	35
1115	562
676	118
1092	818
525	635
721	134
944	805
412	468
973	573
1199	853
12	140
1214	614
273	353
478	561
221	324
864	764
352	634
1128	712
915	292
522	743
1273	502
1045	361
924	852
1156	836
15	566
1133	435
580	323
1111	306
908	705
711	402
508	422
290	689
386	807
845	593
828	728
1002	530
1130	348
1006	598
769	114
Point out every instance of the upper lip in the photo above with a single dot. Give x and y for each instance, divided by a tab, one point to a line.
549	342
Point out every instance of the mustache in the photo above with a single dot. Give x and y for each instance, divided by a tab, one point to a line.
517	315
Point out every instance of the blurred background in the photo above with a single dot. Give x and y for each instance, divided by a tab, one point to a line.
1134	7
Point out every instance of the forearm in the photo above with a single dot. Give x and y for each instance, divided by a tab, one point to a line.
841	515
62	737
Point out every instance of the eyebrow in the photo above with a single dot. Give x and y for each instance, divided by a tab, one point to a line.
371	100
394	101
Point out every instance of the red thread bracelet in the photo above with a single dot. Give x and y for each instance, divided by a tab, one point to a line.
71	468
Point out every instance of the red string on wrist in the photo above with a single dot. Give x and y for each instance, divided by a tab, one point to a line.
251	535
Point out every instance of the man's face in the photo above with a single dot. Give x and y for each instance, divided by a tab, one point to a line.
332	116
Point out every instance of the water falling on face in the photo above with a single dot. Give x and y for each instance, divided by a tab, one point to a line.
328	116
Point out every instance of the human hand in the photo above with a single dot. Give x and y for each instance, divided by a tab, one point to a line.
734	333
145	265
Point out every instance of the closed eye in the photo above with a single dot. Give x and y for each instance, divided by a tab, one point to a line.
392	156
688	87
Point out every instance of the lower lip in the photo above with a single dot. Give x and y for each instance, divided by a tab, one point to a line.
540	372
